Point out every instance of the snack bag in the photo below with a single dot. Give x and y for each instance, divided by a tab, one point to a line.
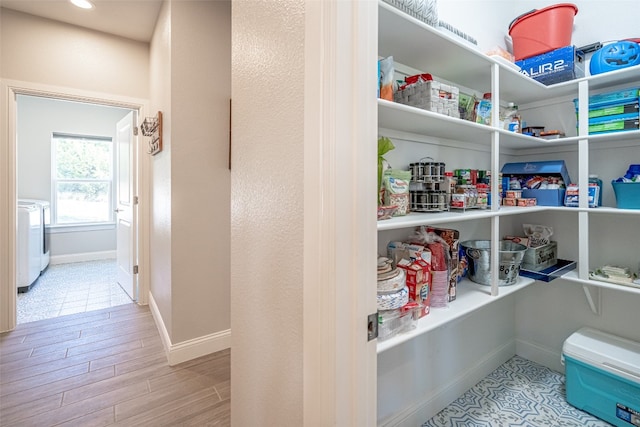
386	78
395	185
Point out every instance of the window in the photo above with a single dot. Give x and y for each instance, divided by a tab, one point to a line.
82	172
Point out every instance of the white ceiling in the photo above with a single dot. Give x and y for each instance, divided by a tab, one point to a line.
131	19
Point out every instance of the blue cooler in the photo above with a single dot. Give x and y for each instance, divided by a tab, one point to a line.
603	376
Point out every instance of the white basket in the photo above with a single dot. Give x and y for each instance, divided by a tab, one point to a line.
424	10
430	95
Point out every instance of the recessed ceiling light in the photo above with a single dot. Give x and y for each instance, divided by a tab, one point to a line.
84	4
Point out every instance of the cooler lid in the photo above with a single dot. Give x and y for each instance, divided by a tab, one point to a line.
613	354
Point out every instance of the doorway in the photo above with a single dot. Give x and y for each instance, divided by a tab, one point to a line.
67	156
94	249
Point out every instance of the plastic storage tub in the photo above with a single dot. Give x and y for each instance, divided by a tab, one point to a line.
627	194
542	30
603	376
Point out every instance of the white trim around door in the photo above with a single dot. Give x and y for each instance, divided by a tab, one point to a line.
9	89
340	233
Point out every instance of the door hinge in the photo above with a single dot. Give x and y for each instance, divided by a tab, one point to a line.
372	326
135	200
135	269
135	131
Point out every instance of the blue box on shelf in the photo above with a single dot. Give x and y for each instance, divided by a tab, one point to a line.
550	273
544	197
559	65
617	97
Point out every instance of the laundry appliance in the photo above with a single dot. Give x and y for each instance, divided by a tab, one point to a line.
28	243
44	208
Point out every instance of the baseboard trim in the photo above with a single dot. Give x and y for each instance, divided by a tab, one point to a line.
539	354
190	349
440	398
83	257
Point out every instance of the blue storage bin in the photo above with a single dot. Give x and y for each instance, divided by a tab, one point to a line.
627	194
548	168
603	376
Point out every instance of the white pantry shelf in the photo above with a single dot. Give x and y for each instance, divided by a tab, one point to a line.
572	276
470	297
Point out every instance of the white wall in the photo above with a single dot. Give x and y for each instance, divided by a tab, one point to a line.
267	215
160	227
200	176
49	52
191	180
488	20
38	118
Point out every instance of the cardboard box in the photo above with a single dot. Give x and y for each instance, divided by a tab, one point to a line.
572	196
620	122
526	202
418	275
397	251
560	65
552	168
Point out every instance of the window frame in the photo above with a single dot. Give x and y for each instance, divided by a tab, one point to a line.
55	137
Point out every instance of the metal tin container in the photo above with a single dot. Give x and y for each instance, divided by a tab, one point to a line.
478	253
537	259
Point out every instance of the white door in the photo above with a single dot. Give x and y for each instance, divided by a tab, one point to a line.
126	218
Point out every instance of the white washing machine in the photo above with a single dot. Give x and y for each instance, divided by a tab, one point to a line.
45	218
28	252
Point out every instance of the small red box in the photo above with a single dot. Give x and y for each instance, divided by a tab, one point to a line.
419	282
527	201
508	201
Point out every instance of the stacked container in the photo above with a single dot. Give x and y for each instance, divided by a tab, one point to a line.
614	111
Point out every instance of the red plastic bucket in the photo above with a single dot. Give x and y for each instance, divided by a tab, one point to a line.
542	30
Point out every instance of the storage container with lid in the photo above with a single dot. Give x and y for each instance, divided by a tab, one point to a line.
603	375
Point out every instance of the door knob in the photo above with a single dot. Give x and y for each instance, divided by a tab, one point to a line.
118	210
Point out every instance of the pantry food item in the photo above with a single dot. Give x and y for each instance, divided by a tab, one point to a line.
525	202
385	76
386	212
418	280
395	187
393	299
538	235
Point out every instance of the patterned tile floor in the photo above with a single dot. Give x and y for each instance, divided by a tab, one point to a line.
71	288
518	393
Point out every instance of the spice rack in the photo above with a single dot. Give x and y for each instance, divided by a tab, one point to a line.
152	127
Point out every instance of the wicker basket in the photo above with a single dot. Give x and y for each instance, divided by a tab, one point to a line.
430	95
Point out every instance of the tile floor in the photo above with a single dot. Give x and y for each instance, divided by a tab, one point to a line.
518	393
71	288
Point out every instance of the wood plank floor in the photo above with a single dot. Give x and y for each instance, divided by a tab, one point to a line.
106	367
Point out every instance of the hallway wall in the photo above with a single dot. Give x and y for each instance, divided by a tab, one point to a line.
190	237
49	52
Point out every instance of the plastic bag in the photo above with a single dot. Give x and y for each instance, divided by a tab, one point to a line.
386	78
539	235
395	185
